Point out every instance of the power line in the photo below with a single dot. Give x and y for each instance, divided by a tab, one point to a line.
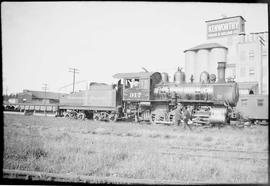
74	71
76	83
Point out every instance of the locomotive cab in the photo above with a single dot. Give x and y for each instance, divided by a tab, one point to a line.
138	87
137	93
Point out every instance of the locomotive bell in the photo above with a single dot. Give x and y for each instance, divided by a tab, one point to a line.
179	76
213	78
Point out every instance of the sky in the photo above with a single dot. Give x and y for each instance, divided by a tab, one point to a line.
42	40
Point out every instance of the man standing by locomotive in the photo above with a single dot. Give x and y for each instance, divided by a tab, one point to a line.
186	116
177	115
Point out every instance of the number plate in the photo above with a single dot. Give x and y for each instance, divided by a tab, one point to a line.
139	94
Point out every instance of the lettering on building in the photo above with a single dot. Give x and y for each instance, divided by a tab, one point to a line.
220	28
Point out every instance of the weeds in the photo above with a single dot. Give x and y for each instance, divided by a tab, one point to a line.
75	149
37	153
209	138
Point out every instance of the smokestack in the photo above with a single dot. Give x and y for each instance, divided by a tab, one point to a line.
221	72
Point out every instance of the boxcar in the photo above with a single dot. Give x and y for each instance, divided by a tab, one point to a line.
254	107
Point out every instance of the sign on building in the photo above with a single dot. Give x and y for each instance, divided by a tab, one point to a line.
225	27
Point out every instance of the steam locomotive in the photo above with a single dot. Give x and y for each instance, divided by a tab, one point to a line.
149	96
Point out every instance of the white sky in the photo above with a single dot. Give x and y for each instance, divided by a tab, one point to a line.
41	41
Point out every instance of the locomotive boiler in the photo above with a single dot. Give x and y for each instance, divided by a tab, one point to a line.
216	93
210	101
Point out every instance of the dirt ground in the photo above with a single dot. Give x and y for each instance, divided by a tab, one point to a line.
132	150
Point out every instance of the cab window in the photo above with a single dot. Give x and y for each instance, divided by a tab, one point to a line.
127	83
136	83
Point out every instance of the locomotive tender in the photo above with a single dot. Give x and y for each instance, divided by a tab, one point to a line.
149	96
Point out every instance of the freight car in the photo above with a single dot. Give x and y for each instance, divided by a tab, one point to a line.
253	107
148	96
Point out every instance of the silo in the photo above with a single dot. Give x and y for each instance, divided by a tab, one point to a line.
190	57
217	55
201	63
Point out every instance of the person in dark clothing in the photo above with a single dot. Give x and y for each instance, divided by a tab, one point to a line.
177	116
186	116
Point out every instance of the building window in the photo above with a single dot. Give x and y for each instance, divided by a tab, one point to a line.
243	102
251	53
264	53
259	102
243	91
251	71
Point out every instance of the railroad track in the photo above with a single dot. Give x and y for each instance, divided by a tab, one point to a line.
203	152
71	178
219	153
217	156
185	152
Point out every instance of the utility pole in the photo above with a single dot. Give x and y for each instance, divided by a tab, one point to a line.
6	97
45	88
74	71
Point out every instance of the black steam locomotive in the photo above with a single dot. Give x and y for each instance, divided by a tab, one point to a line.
149	96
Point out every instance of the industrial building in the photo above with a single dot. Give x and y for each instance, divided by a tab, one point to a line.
246	55
38	97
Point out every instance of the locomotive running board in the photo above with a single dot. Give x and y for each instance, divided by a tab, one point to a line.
164	122
87	108
194	101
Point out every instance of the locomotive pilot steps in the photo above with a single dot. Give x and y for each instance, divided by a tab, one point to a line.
149	96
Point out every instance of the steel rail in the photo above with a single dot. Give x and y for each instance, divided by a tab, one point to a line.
72	178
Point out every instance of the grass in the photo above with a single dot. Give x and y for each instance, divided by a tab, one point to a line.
126	150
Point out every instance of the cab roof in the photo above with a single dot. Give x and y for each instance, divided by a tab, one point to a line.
132	75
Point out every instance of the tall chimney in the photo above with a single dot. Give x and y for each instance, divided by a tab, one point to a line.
221	72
